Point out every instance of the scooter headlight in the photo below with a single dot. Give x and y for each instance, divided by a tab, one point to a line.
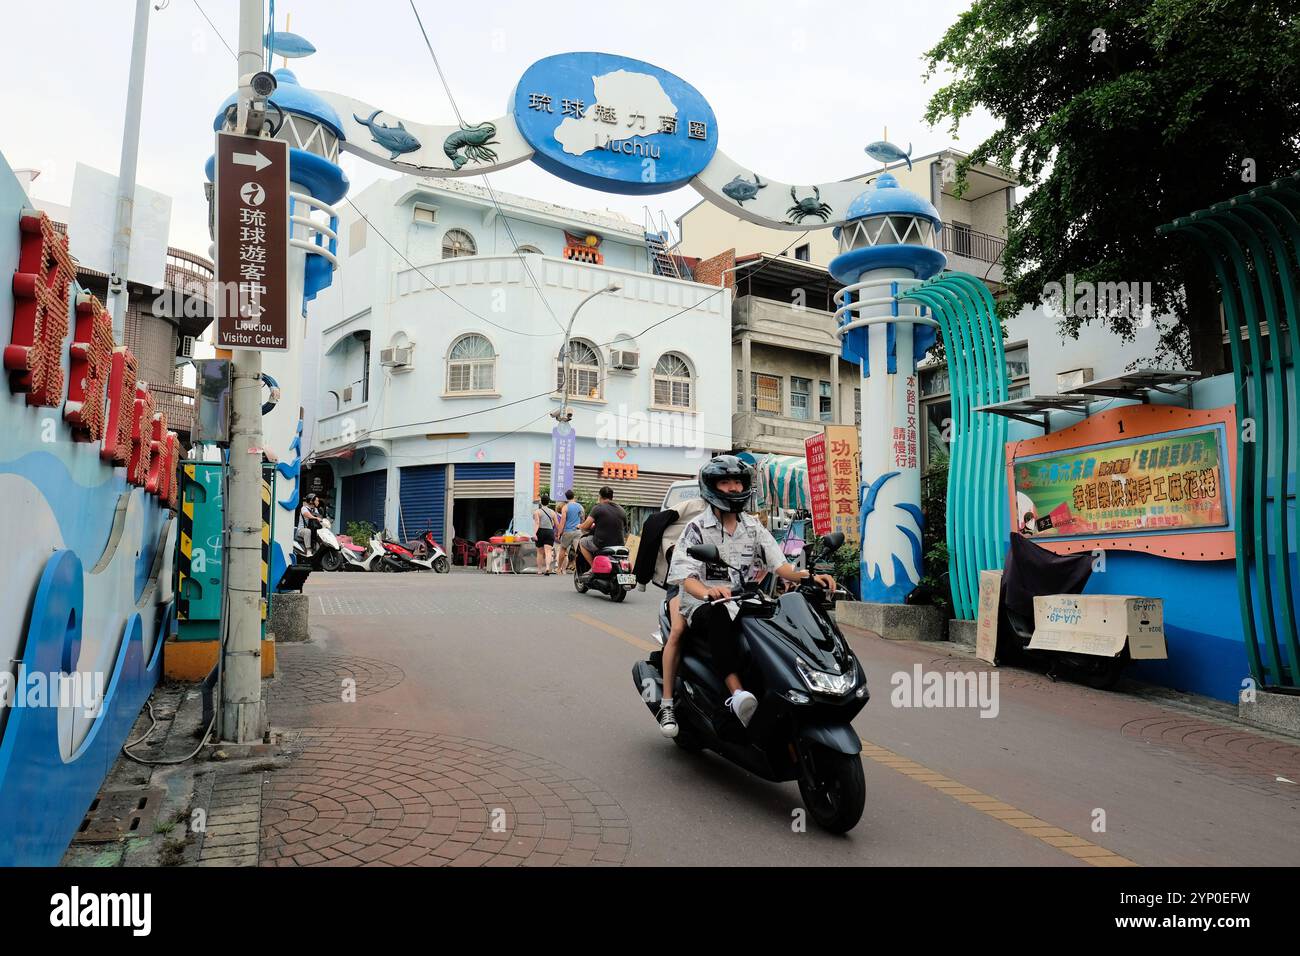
823	683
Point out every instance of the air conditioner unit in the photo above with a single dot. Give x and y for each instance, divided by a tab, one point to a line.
625	359
395	358
187	346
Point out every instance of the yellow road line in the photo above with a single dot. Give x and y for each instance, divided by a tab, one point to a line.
1053	836
618	632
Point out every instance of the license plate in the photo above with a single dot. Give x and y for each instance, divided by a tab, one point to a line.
629	579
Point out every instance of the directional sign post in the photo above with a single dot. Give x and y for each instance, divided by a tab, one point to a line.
252	230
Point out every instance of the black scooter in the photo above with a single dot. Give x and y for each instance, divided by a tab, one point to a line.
809	685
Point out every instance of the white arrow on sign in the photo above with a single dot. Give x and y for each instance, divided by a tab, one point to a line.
256	160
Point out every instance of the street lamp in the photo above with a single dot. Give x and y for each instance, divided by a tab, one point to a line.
562	414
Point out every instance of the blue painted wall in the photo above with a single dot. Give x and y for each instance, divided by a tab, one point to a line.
87	588
1203	624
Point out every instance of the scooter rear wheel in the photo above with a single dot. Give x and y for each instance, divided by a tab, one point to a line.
617	594
837	791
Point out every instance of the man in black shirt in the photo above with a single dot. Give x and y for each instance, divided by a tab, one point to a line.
606	524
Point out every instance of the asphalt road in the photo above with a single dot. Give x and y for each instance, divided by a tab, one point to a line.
527	663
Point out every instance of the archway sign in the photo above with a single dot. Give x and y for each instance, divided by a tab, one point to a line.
602	121
621	125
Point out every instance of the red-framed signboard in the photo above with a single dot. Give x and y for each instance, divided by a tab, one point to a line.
1153	478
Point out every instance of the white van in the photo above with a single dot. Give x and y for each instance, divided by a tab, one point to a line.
680	491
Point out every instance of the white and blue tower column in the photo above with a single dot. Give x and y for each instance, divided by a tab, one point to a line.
312	128
888	244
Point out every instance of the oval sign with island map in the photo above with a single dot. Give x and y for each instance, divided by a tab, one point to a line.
613	123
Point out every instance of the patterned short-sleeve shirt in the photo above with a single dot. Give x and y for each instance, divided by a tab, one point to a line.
750	548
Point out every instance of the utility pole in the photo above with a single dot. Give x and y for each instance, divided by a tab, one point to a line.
118	293
241	660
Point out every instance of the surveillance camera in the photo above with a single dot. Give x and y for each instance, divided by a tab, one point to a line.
263	83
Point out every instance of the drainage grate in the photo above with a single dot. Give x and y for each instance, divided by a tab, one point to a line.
115	814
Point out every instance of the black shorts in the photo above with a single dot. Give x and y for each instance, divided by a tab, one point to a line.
545	537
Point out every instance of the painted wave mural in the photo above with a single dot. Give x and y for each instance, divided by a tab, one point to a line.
86	501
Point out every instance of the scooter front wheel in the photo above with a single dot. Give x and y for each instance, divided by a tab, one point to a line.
331	561
441	565
834	788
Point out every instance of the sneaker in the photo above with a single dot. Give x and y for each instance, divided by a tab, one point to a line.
667	720
743	704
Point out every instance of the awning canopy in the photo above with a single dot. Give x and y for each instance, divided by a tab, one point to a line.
782	482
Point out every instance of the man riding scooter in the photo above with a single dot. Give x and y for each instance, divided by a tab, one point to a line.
749	549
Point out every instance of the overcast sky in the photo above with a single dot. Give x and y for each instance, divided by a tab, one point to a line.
798	88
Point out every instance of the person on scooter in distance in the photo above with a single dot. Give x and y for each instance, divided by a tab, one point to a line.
743	543
606	525
311	520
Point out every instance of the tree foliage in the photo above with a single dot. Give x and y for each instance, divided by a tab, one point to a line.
1116	132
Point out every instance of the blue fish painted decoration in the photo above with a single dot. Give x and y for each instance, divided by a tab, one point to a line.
393	138
887	152
283	43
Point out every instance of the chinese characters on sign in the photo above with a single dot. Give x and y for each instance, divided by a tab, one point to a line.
1169	482
818	483
252	227
105	404
904	439
644	124
834	467
564	444
844	470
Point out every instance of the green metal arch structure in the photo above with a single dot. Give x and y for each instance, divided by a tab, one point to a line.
1253	243
977	485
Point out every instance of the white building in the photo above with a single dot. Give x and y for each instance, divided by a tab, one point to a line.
433	366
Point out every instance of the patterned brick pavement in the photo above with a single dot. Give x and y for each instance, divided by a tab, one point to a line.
306	676
376	797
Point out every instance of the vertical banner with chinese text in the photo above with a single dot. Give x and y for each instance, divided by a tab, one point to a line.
843	466
564	444
818	483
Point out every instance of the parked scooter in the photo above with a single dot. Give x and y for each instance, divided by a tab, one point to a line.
402	558
427	548
610	572
325	553
809	685
360	558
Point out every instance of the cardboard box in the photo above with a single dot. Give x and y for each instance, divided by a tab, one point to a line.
1100	624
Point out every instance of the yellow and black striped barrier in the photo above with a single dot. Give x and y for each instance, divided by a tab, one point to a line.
266	541
187	544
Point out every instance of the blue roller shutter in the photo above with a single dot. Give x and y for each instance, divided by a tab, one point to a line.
363	499
423	501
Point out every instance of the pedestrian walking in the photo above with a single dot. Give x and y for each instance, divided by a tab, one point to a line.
546	522
573	513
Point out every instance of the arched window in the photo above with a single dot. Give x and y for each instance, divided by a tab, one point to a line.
584	370
471	365
672	381
528	250
457	243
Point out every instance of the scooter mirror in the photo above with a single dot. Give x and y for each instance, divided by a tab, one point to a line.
833	541
708	553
